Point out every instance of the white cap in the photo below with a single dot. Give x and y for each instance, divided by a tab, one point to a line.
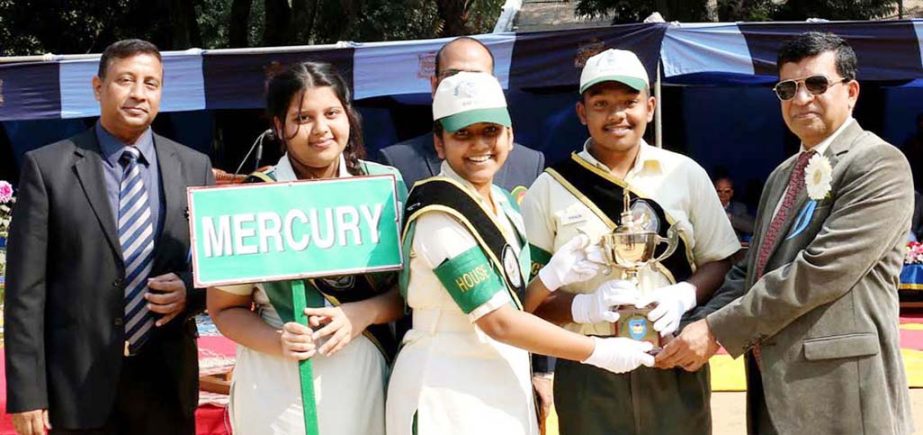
614	66
468	98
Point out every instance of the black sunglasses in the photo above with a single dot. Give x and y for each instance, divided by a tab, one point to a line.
816	85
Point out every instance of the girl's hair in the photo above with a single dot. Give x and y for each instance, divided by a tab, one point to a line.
300	77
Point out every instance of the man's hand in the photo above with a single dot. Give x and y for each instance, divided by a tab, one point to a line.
544	390
169	298
31	422
690	350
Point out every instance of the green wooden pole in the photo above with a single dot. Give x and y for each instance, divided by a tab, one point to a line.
305	371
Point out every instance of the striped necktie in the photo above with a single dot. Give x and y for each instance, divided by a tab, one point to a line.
795	186
136	235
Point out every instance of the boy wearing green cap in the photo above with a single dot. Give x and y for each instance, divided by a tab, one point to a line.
584	195
464	365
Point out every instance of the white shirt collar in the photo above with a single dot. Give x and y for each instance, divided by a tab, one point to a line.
285	171
646	158
821	148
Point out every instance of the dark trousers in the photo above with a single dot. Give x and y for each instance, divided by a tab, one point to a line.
646	401
758	420
146	402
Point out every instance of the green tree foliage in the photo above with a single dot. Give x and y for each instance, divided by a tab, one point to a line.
835	9
629	11
29	27
633	11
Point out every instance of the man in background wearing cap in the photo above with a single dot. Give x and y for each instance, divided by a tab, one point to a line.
417	159
584	194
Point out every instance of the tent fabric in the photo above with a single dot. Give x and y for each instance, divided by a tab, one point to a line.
537	62
183	85
405	67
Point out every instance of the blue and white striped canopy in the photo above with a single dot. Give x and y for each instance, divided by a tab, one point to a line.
690	54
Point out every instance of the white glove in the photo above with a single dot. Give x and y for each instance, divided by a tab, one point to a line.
672	302
620	354
569	265
598	306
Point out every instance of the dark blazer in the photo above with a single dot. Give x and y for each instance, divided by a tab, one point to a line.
65	283
826	309
417	159
740	218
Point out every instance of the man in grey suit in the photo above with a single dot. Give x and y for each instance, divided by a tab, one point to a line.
814	305
417	159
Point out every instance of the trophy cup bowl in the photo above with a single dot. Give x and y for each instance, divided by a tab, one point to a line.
631	249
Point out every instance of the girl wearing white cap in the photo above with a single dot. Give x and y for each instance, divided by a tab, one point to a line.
464	366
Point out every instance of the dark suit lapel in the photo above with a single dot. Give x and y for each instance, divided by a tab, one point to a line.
89	170
433	163
172	182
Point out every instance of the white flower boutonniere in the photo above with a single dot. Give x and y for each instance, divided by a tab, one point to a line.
817	177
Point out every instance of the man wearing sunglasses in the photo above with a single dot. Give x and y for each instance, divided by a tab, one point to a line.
814	306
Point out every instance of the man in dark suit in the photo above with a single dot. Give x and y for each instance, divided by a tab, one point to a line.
417	159
814	306
99	337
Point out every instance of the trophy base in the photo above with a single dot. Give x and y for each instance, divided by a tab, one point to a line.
633	324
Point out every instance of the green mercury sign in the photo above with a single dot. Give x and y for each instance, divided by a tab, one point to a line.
287	230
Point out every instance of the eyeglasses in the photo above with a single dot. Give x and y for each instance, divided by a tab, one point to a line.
816	85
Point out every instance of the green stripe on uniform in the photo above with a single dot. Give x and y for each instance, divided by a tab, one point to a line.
540	258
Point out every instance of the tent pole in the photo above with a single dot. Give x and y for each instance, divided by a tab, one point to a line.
658	111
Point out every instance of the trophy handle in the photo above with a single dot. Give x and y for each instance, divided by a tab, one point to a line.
672	240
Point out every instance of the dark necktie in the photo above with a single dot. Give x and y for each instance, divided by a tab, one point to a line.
136	236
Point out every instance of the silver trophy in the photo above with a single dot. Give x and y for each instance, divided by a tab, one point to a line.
631	247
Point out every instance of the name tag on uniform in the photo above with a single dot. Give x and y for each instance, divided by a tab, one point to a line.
571	217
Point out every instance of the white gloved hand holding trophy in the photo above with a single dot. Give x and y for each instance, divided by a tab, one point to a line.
671	302
569	265
601	305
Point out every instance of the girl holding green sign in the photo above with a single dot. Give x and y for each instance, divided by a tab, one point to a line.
349	343
464	366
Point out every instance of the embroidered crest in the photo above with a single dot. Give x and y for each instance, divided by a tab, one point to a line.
588	50
426	65
637	327
511	266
